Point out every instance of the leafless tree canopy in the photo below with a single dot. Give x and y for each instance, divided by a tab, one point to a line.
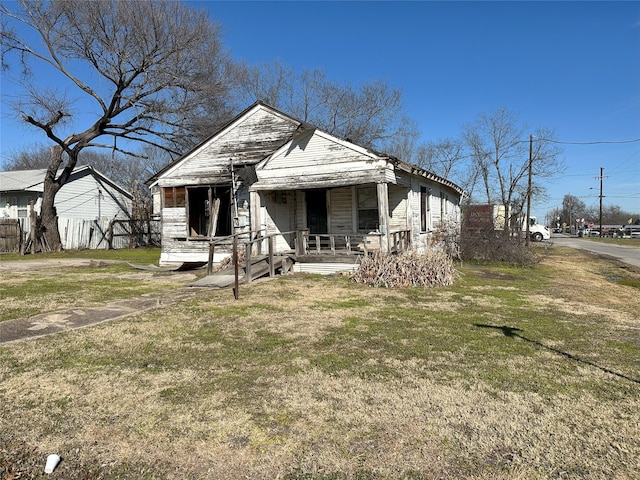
370	114
137	71
499	148
130	73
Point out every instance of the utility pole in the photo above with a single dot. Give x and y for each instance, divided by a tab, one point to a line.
600	178
529	189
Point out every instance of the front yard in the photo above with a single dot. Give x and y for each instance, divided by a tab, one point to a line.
510	373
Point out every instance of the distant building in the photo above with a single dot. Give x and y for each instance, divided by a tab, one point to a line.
87	195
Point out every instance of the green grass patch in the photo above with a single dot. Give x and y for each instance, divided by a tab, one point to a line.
142	255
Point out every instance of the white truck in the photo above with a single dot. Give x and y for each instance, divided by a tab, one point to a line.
537	232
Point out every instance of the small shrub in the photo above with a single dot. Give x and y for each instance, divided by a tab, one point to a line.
430	268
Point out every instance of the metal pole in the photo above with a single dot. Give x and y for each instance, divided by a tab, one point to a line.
601	170
529	188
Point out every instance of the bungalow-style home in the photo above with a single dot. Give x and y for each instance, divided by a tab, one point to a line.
272	178
88	195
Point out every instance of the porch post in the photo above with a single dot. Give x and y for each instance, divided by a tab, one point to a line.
383	215
255	210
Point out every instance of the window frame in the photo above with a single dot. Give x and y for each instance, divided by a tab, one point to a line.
425	209
360	209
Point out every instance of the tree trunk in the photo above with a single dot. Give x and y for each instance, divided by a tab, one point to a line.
48	224
49	221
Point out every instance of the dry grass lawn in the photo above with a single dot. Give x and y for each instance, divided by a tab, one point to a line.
509	374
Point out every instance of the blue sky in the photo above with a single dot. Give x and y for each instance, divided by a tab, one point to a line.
573	67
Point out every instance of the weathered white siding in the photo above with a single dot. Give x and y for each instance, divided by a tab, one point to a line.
398	208
441	200
314	149
86	197
174	222
324	268
341	213
319	161
246	141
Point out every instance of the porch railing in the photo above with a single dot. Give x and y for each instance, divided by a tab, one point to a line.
334	244
306	243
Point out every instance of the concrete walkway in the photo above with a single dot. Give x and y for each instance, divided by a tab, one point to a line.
65	320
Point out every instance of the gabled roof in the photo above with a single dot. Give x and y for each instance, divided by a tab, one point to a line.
33	180
263	153
251	154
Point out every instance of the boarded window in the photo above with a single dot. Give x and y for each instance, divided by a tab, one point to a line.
368	217
174	197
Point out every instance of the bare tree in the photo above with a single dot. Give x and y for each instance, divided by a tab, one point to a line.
137	72
113	164
33	157
370	114
442	157
572	208
501	153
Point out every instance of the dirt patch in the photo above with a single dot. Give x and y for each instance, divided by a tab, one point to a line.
494	275
49	265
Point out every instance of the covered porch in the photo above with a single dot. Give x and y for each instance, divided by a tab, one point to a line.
326	253
338	220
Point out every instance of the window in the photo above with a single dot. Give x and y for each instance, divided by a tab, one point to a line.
200	201
174	197
368	217
444	206
425	209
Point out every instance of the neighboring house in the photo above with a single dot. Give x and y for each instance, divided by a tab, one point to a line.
266	173
87	195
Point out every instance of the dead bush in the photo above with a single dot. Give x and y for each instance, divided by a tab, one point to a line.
492	246
430	268
447	234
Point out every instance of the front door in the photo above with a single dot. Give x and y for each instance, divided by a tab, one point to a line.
317	211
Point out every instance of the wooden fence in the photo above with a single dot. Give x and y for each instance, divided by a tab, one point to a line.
10	235
85	234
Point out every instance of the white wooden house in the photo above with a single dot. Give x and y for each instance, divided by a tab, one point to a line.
88	201
266	174
88	195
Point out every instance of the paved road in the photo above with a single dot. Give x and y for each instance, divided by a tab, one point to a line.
628	255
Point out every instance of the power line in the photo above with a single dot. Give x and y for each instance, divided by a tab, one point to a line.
600	142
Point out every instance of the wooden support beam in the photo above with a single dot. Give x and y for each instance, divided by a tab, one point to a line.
247	263
272	267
